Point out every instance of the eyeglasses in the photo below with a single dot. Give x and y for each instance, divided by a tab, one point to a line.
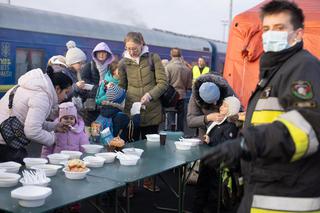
132	49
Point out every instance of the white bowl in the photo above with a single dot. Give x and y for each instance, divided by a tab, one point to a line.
72	154
94	161
49	170
92	148
10	166
9	179
108	156
128	160
191	141
182	145
34	161
57	158
31	196
133	151
153	137
45	183
75	175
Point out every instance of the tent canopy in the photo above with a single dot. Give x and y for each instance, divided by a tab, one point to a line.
245	46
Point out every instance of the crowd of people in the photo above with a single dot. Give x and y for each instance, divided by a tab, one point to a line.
277	144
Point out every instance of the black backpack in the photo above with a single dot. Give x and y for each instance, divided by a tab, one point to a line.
170	97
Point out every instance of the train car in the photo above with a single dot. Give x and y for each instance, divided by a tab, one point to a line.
29	37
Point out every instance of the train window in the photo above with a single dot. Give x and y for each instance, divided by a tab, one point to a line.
28	59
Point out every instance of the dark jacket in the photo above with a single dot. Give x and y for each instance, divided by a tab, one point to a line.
198	109
90	75
281	131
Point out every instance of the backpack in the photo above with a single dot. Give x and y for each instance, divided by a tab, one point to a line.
170	97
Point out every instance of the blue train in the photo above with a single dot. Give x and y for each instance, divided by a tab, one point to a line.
29	37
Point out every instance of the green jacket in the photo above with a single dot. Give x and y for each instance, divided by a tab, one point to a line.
138	79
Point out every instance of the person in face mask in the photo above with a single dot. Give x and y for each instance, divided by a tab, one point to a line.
279	144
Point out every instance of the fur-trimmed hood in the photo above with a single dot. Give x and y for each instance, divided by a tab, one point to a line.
225	89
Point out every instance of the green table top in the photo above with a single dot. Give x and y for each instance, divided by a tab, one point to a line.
154	160
64	191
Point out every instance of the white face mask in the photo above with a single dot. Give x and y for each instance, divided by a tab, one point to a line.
275	41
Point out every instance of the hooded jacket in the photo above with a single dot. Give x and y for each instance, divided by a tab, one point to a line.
90	73
32	104
71	140
198	109
137	78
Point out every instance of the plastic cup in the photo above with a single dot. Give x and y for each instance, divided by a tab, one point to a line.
163	137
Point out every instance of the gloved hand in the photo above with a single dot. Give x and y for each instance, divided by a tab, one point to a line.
228	153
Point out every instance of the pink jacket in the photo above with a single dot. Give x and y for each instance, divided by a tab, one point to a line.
71	140
32	104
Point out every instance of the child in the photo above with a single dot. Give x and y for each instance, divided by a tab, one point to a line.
109	95
218	132
72	139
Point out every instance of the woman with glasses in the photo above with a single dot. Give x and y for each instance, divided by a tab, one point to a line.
142	74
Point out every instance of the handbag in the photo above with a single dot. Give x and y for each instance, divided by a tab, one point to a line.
11	129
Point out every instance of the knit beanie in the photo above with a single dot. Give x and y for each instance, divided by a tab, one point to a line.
115	94
209	92
67	108
74	54
233	105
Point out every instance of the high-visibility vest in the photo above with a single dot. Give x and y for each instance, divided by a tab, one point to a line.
196	72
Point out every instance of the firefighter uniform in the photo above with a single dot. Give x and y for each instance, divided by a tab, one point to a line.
283	127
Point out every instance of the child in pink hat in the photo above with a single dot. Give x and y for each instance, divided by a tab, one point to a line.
74	137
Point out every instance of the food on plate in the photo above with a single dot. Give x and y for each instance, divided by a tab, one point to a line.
116	144
76	165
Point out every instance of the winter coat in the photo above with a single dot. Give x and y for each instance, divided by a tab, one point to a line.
282	134
179	76
138	79
32	104
90	75
198	109
71	140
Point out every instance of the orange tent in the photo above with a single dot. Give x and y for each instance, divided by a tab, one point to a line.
245	46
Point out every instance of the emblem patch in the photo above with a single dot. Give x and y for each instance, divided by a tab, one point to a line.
302	90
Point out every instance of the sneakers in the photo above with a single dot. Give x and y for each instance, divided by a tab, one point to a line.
149	185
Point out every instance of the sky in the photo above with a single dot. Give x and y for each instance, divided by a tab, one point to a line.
205	18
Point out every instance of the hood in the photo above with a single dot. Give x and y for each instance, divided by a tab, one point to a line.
102	47
36	80
218	80
145	49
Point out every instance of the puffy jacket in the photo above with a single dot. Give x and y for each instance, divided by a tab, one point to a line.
198	109
32	104
282	131
71	140
138	79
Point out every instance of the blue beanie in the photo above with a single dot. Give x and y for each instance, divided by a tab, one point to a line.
209	92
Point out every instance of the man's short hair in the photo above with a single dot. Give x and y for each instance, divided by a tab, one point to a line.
175	52
279	6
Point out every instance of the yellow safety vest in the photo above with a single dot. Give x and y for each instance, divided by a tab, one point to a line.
196	72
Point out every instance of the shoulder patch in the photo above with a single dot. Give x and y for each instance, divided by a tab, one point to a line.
302	90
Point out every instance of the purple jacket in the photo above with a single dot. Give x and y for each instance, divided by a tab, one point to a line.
71	140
